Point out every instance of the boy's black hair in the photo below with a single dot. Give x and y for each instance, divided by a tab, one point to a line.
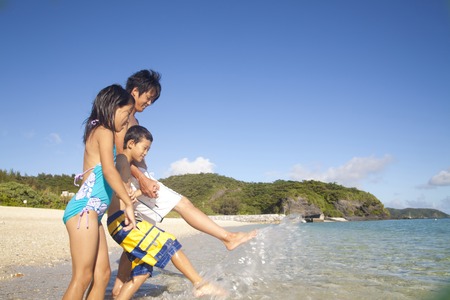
136	133
144	81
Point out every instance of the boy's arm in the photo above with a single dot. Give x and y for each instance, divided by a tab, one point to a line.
148	187
137	193
123	167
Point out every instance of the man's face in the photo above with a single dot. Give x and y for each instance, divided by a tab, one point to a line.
143	100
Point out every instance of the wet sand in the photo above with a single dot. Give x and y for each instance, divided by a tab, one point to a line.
35	258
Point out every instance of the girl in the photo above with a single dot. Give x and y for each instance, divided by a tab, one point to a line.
90	262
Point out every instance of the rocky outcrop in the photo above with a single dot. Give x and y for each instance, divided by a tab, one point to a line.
300	206
349	209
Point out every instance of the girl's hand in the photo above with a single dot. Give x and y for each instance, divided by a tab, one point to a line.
130	222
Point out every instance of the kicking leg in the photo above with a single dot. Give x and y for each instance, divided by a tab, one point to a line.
197	219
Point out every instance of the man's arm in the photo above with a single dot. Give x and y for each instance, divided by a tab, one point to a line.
119	138
149	187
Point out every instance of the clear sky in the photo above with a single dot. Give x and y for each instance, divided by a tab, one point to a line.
352	92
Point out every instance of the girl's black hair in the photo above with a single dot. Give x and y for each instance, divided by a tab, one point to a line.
136	133
104	108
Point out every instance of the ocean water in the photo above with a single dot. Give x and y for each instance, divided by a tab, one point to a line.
394	259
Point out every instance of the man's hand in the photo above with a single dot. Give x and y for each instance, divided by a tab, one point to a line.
149	187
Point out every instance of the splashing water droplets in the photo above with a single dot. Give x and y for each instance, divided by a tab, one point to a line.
253	268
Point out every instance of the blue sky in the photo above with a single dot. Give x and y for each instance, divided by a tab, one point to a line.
352	92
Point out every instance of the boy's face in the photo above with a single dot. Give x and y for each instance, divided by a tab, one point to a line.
143	100
140	149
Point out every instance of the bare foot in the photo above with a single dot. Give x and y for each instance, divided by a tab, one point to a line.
205	288
235	239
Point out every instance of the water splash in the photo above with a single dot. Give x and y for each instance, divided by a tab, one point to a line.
253	268
350	260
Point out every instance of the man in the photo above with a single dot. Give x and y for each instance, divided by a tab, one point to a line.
158	200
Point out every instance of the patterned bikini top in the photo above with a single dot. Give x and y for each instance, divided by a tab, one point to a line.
80	176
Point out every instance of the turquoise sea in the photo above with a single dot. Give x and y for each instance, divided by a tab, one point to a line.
394	259
402	259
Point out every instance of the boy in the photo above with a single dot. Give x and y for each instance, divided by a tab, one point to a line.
147	245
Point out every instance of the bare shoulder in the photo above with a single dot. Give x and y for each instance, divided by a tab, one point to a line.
100	140
101	133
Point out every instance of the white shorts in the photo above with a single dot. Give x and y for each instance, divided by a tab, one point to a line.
153	210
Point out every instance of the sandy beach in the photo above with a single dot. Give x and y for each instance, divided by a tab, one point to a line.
36	239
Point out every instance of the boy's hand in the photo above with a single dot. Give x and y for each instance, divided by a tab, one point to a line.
132	195
149	187
131	192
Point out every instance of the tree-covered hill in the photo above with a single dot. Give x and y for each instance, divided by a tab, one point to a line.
417	213
43	191
52	183
217	195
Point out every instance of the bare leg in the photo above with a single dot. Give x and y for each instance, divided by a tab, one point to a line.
123	274
84	249
102	270
197	219
131	286
201	287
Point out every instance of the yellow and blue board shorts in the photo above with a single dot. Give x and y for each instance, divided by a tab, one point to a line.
146	245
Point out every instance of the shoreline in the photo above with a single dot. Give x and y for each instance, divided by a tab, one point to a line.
37	237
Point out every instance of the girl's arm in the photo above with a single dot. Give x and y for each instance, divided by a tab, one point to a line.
105	139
